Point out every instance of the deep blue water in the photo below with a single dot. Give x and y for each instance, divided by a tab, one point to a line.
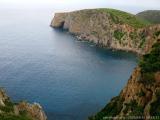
70	79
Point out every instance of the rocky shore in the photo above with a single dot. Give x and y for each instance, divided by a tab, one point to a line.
19	111
109	28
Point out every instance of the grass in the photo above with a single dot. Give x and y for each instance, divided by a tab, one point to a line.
125	18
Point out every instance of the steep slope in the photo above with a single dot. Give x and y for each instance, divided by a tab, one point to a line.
141	96
151	15
120	30
109	28
19	111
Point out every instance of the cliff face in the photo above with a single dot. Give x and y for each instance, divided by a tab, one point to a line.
19	111
141	96
122	31
109	28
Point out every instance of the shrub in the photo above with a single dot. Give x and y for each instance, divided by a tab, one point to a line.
8	106
155	106
112	109
151	61
118	34
133	35
134	108
157	33
141	93
150	64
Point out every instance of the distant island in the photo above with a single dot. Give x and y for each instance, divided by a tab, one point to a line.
122	31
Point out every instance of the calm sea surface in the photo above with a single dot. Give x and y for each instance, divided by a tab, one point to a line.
70	79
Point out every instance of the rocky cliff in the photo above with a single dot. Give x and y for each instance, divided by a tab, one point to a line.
109	28
19	111
140	99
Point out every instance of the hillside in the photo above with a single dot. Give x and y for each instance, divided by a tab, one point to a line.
141	96
109	28
122	17
151	15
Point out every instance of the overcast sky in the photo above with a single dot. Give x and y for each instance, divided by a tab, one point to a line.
133	6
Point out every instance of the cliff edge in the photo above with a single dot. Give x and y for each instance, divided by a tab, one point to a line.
109	28
19	111
140	99
115	29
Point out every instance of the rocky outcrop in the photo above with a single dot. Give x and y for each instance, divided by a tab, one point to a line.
109	28
19	111
140	98
34	111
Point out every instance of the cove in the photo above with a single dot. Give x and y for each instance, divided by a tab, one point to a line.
70	79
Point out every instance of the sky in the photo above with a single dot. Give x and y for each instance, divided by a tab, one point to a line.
132	6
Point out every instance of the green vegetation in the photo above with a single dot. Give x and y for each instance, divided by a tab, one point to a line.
111	109
147	78
94	32
8	106
150	64
157	33
118	35
141	45
143	39
13	117
141	93
150	15
125	18
155	106
133	35
7	112
134	109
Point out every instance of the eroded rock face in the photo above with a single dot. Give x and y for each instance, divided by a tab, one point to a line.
59	20
99	27
3	97
141	96
140	92
137	99
22	110
34	111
